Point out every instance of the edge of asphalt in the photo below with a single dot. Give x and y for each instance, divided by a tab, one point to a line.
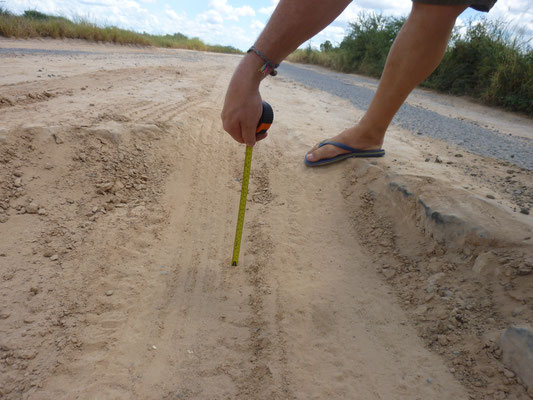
456	221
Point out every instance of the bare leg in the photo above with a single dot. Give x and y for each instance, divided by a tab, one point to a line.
415	53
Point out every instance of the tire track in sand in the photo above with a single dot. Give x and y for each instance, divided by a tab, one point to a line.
337	331
268	376
217	336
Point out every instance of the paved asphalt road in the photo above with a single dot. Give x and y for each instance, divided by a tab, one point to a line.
472	137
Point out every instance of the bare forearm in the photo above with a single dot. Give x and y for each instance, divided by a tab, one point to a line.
295	21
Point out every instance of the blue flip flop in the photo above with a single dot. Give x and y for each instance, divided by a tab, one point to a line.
352	153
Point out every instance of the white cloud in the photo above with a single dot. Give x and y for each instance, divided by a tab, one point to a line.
385	7
220	11
350	13
334	34
230	12
257	25
270	9
128	14
224	22
518	13
173	14
211	17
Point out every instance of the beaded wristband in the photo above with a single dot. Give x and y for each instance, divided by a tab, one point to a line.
268	68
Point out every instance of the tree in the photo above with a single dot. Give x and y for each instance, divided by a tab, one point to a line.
326	46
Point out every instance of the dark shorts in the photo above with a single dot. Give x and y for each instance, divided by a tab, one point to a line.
480	5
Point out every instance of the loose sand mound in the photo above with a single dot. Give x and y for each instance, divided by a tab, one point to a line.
119	194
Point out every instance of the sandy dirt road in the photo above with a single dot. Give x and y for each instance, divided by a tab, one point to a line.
120	194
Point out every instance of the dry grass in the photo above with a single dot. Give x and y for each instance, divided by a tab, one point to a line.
34	24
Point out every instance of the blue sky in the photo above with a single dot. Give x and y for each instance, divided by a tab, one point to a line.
231	22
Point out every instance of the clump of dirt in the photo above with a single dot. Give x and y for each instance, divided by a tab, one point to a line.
30	98
57	184
262	193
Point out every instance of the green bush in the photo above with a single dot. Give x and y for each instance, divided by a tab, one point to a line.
486	62
364	50
367	44
490	64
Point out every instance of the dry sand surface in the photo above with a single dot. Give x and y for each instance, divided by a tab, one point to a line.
390	279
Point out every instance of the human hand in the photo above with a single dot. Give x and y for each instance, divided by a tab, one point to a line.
243	105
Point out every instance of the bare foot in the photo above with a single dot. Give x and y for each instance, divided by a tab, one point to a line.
352	137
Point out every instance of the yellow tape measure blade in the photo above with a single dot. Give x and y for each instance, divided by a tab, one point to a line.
242	205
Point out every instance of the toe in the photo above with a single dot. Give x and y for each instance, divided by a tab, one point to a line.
312	154
322	152
314	148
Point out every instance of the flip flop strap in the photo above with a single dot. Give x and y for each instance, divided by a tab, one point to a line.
340	145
